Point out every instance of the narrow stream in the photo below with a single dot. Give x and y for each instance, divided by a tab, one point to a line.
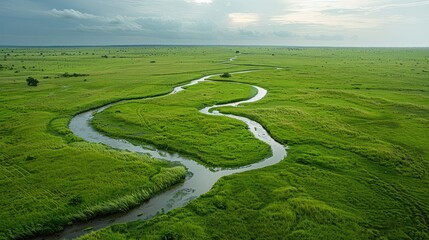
200	178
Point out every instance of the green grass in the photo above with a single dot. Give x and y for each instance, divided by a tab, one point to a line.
357	168
355	121
49	177
174	123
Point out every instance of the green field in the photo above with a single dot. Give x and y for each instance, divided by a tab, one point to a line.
49	177
355	120
174	123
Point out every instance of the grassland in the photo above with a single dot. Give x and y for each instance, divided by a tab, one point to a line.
174	123
49	177
356	121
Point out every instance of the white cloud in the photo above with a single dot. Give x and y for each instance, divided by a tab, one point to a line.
244	18
71	13
119	22
398	5
200	1
314	18
352	14
123	23
324	37
227	21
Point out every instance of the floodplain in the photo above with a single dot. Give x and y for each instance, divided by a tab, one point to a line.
355	121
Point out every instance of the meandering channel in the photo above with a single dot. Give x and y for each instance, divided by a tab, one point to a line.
200	178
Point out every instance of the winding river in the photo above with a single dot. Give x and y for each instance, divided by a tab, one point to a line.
199	180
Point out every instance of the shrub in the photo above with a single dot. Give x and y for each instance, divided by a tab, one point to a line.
226	75
66	74
31	81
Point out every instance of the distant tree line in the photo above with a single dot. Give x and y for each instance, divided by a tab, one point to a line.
66	74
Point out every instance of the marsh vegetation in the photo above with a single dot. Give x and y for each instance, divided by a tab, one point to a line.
355	121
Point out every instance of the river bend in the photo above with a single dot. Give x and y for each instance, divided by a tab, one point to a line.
199	180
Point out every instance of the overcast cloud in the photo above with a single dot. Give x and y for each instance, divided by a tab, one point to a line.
270	22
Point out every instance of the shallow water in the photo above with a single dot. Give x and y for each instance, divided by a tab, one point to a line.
199	180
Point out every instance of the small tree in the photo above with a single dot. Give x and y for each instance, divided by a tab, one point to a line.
226	75
31	81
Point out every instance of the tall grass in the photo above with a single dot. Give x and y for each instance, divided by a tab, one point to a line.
356	124
48	176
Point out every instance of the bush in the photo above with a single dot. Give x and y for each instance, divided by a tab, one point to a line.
31	81
66	74
226	75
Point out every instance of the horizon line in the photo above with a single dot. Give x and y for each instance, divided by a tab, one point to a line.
199	45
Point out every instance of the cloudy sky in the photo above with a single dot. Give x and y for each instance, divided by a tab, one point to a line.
401	23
